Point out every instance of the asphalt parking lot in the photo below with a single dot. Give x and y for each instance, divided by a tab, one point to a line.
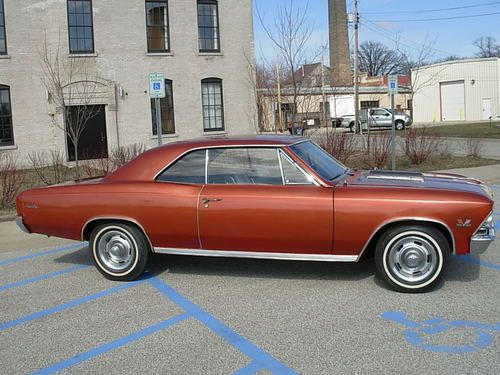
192	315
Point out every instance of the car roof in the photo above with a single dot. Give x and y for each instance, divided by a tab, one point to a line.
251	140
146	166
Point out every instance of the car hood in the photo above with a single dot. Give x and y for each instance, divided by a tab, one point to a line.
446	181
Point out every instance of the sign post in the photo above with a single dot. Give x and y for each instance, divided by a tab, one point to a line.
157	92
392	83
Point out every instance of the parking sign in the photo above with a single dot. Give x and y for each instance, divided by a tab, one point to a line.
392	83
156	85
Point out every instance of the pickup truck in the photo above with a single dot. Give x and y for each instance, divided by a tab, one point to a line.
378	118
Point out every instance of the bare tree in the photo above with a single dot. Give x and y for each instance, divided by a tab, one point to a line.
72	91
416	58
487	47
376	59
290	34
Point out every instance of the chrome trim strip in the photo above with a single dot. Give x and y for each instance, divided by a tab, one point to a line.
398	178
278	152
257	255
20	224
206	166
417	219
122	218
209	147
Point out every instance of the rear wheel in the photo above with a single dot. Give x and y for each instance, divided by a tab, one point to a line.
120	251
411	258
400	125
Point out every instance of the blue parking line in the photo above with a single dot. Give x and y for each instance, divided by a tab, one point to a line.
471	259
258	356
112	345
68	305
250	369
495	186
42	277
48	252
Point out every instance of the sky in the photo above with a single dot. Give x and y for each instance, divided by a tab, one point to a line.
389	20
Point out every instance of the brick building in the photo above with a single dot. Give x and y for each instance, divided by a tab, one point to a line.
203	48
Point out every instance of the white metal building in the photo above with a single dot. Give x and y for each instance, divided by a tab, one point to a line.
462	90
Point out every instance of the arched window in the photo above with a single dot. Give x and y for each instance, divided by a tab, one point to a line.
6	132
157	25
208	26
213	104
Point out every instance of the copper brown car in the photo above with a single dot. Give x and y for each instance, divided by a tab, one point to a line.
271	197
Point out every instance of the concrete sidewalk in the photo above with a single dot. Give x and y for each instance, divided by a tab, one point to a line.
488	173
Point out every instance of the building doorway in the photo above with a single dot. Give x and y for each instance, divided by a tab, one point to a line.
93	142
486	109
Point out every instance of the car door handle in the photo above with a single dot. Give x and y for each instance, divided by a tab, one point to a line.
208	200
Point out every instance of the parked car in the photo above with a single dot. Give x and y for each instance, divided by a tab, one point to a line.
380	118
272	197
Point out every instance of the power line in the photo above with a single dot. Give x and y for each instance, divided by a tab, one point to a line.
436	10
439	19
399	39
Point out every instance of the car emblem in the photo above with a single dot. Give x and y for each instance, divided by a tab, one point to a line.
464	223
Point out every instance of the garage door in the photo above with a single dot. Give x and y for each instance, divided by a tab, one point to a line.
452	101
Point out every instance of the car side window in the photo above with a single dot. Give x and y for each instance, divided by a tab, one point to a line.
258	166
291	174
189	169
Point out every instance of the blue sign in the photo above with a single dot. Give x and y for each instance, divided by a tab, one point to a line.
421	334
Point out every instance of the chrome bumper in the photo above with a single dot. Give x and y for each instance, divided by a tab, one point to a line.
483	237
20	224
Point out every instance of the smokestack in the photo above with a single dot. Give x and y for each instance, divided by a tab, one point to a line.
340	63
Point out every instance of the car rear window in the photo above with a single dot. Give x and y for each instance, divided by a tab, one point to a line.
189	169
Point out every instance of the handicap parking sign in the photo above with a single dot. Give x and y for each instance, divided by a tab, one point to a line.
156	85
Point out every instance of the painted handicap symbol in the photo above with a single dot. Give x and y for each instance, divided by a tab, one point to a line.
419	334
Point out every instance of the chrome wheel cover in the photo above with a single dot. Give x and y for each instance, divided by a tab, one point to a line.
412	260
116	250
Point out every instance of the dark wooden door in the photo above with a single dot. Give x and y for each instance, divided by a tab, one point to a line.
93	142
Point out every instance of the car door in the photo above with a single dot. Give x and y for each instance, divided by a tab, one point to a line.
257	200
381	117
171	213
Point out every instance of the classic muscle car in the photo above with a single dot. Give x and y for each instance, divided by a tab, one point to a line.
267	197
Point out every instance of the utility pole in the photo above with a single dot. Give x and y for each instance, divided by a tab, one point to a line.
357	126
323	94
280	115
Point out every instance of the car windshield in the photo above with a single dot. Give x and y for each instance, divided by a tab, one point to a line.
319	160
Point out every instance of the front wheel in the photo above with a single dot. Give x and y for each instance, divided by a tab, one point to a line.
120	251
411	258
400	125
